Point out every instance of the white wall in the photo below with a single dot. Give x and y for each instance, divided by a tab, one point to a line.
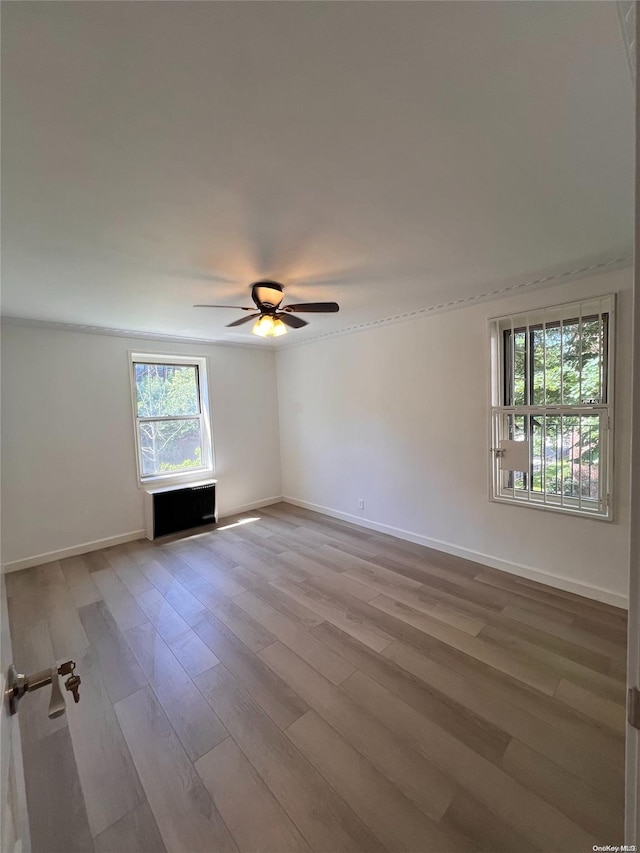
68	458
398	415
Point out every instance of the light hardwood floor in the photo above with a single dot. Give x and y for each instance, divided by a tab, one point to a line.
288	682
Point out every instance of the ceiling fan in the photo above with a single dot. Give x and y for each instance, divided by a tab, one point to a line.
272	318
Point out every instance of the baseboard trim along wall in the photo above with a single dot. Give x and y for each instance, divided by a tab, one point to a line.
252	505
538	575
74	551
110	541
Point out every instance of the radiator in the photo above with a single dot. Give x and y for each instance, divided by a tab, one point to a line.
170	509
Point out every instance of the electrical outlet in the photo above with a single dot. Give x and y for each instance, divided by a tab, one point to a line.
361	503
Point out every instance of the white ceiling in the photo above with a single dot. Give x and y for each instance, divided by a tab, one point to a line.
389	156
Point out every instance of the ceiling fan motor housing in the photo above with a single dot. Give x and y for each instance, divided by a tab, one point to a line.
267	294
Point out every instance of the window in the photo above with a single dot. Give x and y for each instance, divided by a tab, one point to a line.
171	413
552	408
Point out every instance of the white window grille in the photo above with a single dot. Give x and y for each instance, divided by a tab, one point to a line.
171	416
552	408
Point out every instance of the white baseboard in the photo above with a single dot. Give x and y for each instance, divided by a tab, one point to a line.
74	551
539	575
98	544
253	505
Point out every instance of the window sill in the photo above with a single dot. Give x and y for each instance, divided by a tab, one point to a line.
550	507
180	478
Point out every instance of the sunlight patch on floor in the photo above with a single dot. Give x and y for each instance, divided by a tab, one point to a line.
238	523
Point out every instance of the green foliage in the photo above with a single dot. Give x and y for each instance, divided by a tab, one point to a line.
165	389
567	365
188	463
168	390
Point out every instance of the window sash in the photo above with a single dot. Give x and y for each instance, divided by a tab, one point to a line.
195	366
193	417
508	357
550	451
186	469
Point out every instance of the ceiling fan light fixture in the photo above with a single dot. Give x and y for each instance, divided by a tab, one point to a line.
264	327
269	327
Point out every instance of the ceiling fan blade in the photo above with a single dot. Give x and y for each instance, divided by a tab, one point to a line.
315	307
235	307
243	320
290	320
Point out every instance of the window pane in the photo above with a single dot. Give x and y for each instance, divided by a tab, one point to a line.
516	360
592	361
582	361
167	389
563	363
551	360
586	458
167	446
517	431
520	378
571	363
565	456
537	345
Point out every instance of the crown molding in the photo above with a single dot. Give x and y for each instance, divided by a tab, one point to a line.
80	328
535	284
488	296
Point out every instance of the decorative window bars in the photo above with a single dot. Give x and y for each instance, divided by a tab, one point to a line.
552	407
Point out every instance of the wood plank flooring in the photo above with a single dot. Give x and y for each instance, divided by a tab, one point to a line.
289	682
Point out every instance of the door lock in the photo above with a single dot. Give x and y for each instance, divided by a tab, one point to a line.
19	684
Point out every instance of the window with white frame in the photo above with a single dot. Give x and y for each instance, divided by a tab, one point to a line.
552	407
171	414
